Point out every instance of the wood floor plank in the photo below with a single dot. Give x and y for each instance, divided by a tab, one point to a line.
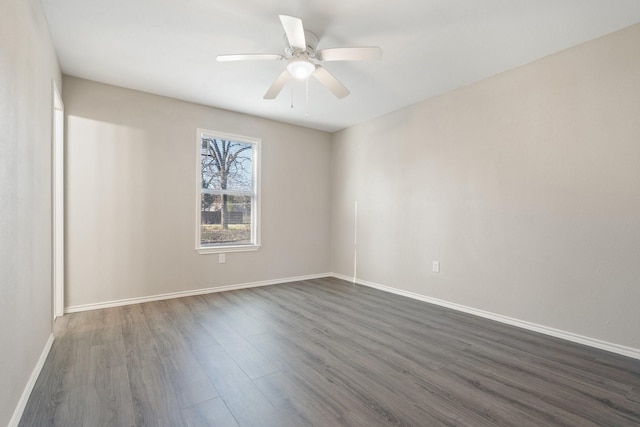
251	361
241	322
245	401
210	413
334	399
288	394
108	403
535	370
47	394
138	339
512	395
182	314
155	400
376	337
167	336
189	380
321	352
362	381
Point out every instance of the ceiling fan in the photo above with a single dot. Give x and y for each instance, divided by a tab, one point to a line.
302	58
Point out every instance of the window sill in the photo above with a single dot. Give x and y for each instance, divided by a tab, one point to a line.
226	249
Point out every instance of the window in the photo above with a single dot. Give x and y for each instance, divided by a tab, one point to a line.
227	202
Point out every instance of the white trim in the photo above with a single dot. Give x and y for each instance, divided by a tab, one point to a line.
226	249
140	300
57	208
569	336
22	403
355	242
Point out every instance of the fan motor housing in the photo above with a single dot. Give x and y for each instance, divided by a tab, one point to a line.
312	43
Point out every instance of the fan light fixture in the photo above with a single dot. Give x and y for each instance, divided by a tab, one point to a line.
301	68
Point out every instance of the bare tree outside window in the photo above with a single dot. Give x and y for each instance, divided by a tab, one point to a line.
227	191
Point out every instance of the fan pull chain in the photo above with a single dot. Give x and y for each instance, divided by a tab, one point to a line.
292	97
306	100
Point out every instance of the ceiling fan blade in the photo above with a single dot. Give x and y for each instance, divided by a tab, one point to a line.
249	57
294	30
333	84
278	84
349	53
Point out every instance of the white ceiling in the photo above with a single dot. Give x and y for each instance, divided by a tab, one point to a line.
168	47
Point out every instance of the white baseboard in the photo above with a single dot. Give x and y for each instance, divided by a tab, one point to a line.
139	300
569	336
22	403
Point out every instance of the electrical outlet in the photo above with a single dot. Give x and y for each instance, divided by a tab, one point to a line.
436	266
222	258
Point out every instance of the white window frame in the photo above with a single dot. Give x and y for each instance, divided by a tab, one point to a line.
255	208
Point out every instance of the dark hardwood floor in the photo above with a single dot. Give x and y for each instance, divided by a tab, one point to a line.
321	352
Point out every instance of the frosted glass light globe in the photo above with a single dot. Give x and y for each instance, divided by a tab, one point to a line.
301	68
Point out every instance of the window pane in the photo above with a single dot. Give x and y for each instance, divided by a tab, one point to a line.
228	193
226	165
225	220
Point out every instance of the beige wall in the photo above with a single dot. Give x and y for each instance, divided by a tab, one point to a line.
27	68
525	186
131	160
